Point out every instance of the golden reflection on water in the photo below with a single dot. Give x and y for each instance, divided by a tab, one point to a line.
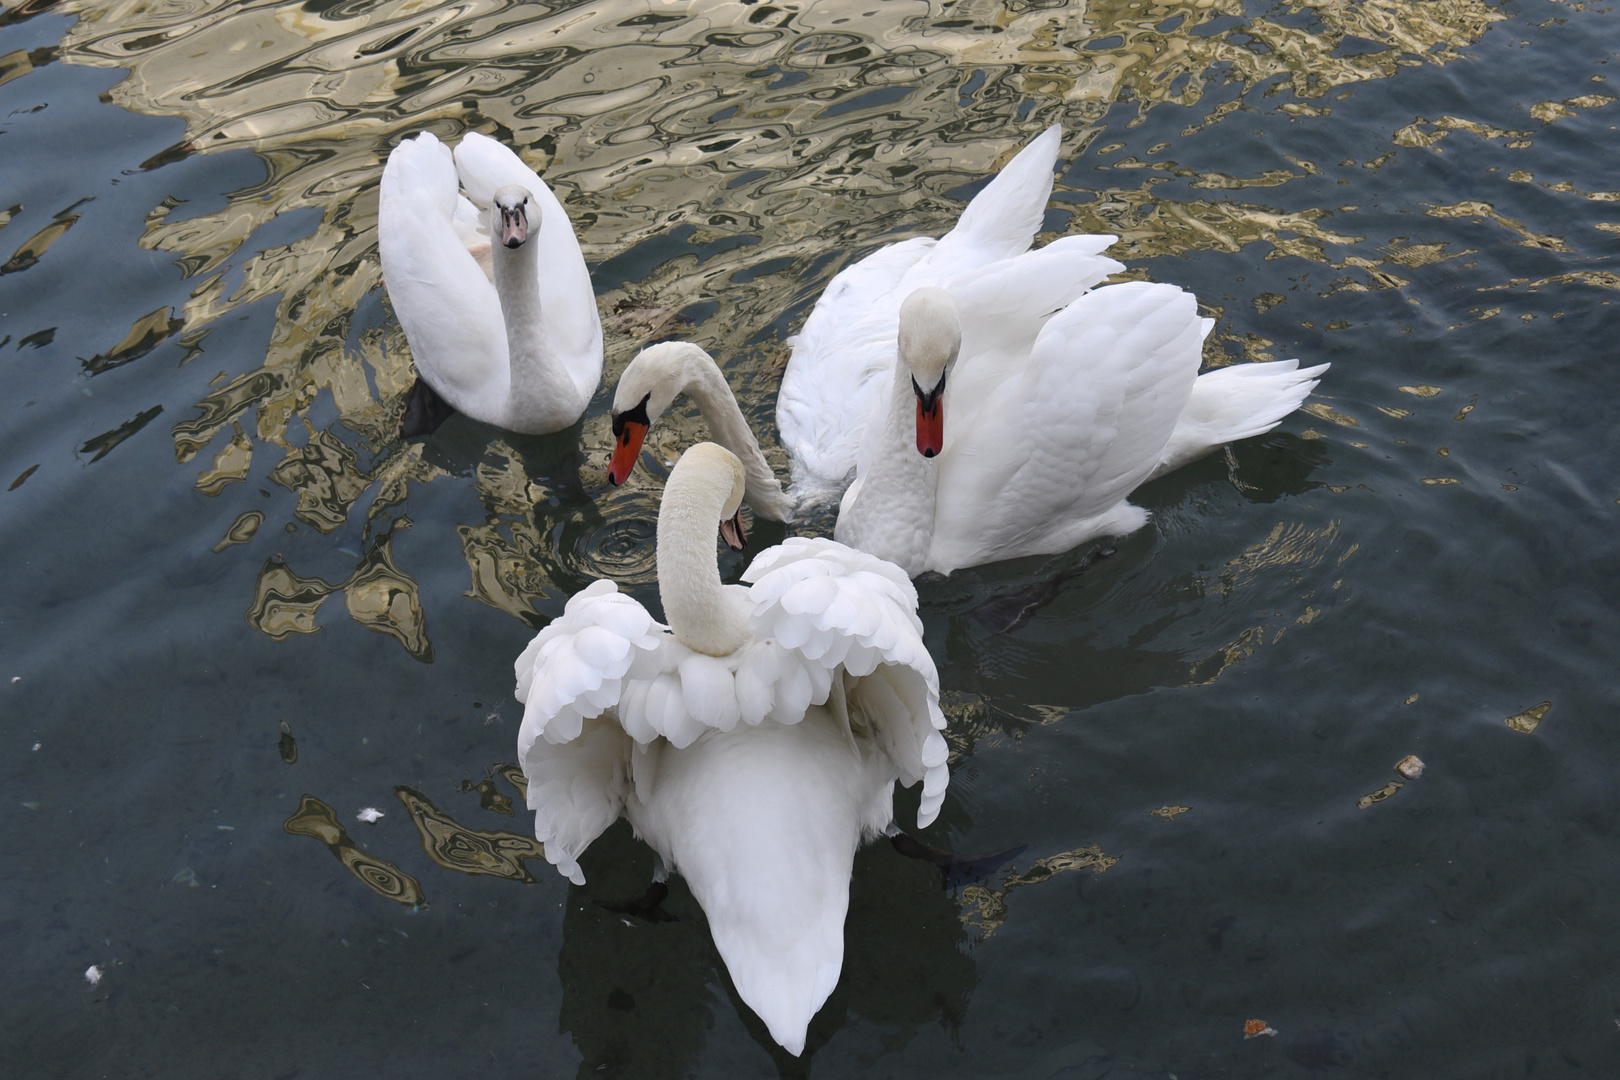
315	818
243	529
469	851
379	595
985	909
778	139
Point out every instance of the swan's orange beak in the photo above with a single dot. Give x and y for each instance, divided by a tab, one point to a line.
930	418
626	451
731	531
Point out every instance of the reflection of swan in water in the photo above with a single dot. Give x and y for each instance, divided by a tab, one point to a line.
754	744
506	333
639	998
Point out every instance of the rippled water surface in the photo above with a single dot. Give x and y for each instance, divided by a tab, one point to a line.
235	610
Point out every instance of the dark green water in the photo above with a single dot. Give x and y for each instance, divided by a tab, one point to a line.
1422	194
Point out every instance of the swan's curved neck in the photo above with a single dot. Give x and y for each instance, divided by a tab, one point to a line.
705	384
537	379
702	613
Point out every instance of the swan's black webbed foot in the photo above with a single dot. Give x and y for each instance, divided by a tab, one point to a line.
646	906
955	869
1005	613
425	410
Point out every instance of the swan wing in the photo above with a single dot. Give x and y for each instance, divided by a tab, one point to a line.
1046	462
447	307
1003	307
1002	219
470	226
839	365
574	751
852	616
573	326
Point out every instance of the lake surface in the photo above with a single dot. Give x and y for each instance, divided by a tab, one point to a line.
234	610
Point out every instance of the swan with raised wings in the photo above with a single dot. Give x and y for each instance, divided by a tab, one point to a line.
489	285
835	374
754	742
1052	423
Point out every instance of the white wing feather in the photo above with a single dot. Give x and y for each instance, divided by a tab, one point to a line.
1093	404
566	296
444	301
821	609
840	367
856	612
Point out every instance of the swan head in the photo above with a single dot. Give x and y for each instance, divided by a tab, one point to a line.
930	338
705	471
513	205
655	378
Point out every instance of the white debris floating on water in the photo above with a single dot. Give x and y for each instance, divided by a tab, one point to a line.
370	815
1410	766
92	974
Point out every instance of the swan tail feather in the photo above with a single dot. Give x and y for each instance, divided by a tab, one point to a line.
763	823
1236	402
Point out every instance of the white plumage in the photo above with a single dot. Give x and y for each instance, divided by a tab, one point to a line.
754	752
1049	422
509	336
838	372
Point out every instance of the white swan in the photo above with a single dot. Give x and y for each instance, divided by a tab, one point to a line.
837	370
655	378
754	743
1052	423
516	343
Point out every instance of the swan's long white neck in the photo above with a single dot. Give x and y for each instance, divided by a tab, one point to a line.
892	514
703	614
538	380
693	372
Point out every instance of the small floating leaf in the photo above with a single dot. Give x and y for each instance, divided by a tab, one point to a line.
1530	719
26	473
1380	795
